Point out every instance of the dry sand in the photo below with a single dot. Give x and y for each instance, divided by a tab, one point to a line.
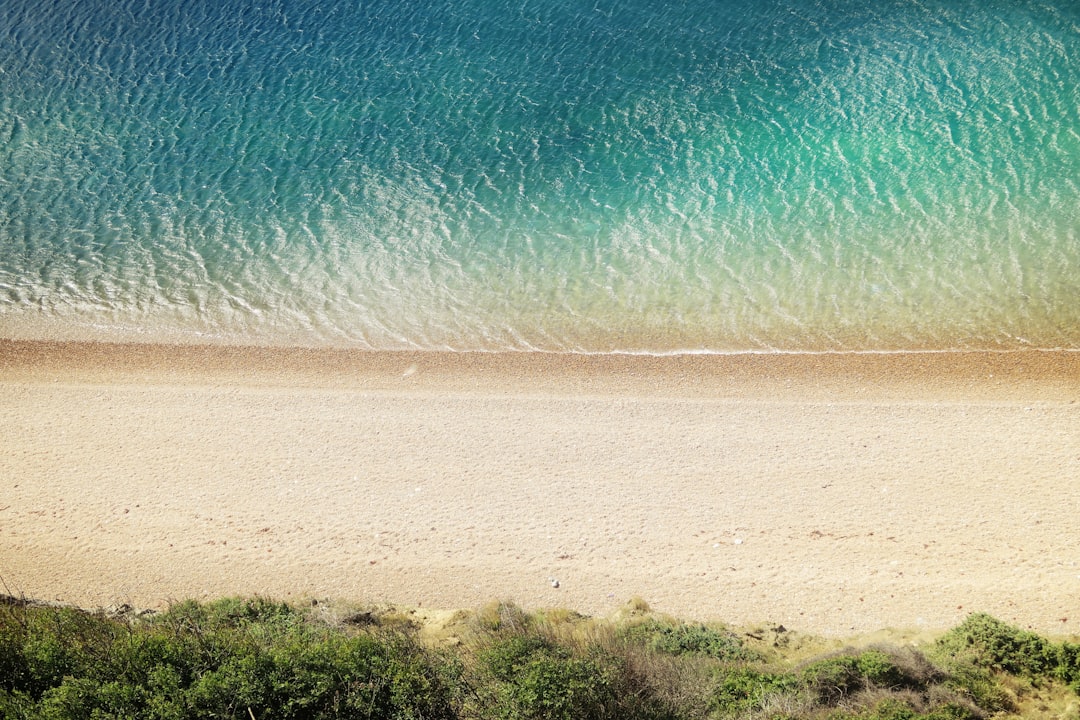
830	493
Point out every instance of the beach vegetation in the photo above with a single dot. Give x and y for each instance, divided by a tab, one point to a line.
528	677
245	658
679	638
987	642
231	659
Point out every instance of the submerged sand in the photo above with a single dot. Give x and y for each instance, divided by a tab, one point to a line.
832	493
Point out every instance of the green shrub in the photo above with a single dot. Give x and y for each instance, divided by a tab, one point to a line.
227	659
952	711
742	690
504	658
897	709
889	709
12	638
15	705
988	642
1067	667
679	639
242	657
65	642
902	679
879	669
307	674
830	679
536	679
978	686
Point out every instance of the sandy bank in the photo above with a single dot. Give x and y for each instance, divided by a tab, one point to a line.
827	492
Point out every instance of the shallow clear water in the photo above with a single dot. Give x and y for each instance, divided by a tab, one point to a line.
631	175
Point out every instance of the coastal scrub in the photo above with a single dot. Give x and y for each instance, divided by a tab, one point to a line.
256	658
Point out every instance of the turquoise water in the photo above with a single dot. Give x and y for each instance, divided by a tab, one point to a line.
597	176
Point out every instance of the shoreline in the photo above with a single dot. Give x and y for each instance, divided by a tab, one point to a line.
834	493
835	375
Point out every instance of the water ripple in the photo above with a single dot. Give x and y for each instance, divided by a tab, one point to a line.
632	176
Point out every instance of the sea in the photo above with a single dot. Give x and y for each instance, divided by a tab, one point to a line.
570	176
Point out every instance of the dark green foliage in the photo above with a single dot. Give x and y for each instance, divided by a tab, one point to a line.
744	690
988	642
952	711
982	645
979	686
56	644
15	705
12	660
1067	667
886	683
505	656
231	659
680	638
833	678
893	709
242	658
885	710
876	668
536	679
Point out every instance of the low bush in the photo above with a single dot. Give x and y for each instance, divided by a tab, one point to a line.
675	638
983	645
534	679
988	642
744	690
831	679
978	686
896	709
255	658
1067	667
233	659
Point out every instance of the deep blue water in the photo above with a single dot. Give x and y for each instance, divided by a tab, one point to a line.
640	175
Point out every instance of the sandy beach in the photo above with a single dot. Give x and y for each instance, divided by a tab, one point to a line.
834	494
